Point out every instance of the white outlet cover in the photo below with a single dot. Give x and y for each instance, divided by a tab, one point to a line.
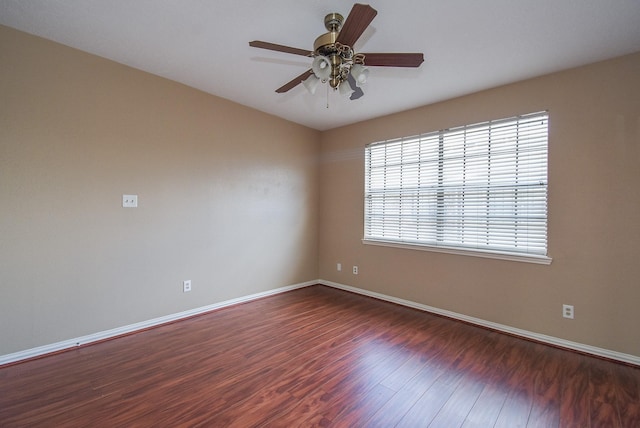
129	201
567	311
186	286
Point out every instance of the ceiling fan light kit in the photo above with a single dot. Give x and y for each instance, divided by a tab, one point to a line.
311	84
322	67
335	61
360	73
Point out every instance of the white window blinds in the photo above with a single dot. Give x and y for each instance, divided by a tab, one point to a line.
480	187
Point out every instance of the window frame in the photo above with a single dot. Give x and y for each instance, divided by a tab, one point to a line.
540	189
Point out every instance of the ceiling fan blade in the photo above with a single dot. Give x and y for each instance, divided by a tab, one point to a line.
357	21
294	82
279	48
393	59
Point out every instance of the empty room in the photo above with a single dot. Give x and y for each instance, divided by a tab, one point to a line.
322	213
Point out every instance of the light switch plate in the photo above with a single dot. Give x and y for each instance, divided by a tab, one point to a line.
129	201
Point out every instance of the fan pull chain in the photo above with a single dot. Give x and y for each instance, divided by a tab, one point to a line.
327	95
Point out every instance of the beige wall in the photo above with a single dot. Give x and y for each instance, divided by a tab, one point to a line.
227	196
234	200
594	212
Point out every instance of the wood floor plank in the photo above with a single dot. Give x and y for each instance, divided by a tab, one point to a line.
400	403
487	407
427	407
627	391
361	409
574	395
545	412
603	396
520	383
455	411
318	356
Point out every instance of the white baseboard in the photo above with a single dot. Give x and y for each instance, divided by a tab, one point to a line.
119	331
587	349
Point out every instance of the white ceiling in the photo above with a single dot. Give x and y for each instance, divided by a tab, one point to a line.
469	45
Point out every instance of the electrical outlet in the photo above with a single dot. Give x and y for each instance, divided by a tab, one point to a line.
355	270
567	311
339	267
186	286
129	201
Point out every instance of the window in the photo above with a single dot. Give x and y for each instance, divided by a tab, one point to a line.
477	188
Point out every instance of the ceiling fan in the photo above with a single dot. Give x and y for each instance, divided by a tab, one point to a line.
334	59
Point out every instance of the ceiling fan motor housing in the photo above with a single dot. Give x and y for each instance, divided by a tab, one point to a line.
333	22
323	43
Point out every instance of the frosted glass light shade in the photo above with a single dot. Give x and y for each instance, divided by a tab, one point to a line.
311	83
321	67
360	73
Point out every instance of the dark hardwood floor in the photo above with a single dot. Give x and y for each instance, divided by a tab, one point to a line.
319	357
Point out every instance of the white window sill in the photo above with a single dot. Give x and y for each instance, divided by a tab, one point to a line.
526	258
